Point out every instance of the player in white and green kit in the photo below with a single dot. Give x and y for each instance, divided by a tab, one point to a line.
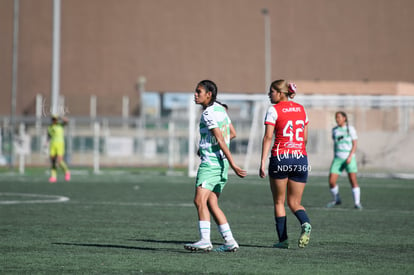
214	166
215	136
345	144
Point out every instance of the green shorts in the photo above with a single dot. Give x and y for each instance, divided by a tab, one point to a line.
338	165
213	178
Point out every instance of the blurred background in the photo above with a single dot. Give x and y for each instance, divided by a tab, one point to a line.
124	73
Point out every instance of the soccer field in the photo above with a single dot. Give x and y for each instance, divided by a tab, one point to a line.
136	222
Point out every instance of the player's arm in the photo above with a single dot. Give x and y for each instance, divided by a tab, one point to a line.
232	132
353	150
266	143
65	120
354	138
305	135
223	146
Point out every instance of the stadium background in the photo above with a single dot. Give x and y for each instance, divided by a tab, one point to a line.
330	48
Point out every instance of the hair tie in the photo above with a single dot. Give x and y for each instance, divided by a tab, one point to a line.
292	88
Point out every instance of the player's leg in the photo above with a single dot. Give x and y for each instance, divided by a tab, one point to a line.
278	188
200	201
278	177
335	171
204	186
356	191
352	170
230	244
52	157
59	160
61	163
294	198
53	173
217	188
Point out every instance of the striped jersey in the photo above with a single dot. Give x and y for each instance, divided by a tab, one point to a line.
289	119
214	116
343	140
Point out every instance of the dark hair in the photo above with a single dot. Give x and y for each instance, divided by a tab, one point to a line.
210	86
342	113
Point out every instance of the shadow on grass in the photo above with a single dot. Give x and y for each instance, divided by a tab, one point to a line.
120	247
175	242
184	242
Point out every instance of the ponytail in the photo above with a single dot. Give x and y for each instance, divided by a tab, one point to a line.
291	90
282	86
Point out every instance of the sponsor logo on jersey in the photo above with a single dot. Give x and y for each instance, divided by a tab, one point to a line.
291	109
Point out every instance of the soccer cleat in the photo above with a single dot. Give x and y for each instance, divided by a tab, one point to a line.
227	248
282	245
337	201
305	235
200	245
52	179
358	206
67	176
331	204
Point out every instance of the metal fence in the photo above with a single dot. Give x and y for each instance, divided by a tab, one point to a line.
385	126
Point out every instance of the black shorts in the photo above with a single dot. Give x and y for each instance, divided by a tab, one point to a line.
290	167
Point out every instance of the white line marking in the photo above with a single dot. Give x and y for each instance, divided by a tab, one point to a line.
150	204
41	198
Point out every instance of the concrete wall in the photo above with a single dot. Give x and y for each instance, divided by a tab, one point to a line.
108	44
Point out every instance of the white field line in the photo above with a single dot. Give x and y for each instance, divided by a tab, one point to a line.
147	204
38	198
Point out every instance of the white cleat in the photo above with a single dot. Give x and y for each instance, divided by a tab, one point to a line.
200	245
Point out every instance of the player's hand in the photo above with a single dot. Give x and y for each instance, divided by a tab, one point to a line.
262	172
239	172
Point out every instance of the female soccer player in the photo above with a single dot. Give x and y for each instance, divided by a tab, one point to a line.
345	144
215	157
56	140
288	164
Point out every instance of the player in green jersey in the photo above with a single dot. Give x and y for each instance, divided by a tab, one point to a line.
345	144
215	136
56	139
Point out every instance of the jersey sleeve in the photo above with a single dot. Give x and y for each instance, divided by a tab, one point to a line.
210	119
353	133
271	116
306	117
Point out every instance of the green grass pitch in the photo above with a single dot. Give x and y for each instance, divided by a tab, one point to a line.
136	222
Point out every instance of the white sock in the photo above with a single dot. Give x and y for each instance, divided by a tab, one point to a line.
334	192
204	228
356	192
225	232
